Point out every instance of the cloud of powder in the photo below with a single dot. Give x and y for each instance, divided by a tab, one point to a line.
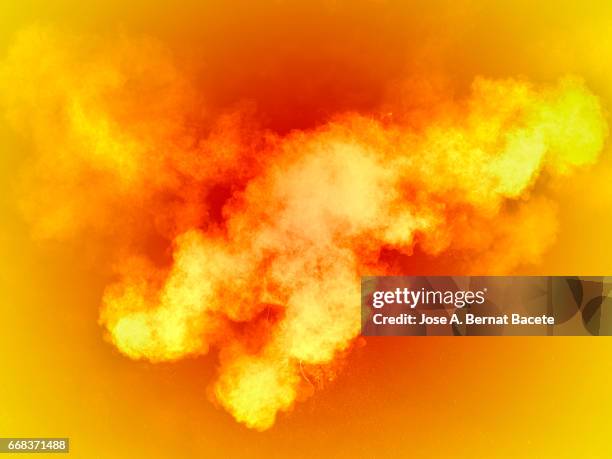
269	233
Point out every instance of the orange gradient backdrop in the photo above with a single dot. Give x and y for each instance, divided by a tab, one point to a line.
295	64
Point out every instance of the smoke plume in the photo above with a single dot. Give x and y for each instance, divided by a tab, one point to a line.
269	232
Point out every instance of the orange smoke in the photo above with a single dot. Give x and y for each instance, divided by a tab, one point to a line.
270	232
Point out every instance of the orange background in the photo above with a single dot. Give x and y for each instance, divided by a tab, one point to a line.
396	397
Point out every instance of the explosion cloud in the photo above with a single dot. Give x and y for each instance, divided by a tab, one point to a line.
269	231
